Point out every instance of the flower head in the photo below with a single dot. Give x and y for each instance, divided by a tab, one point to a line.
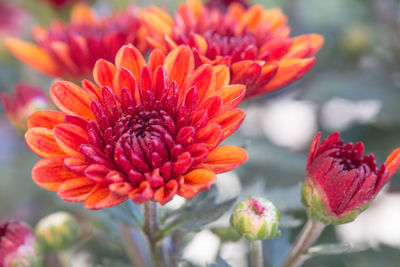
255	43
11	18
256	218
340	181
58	230
26	100
61	3
71	50
144	131
18	245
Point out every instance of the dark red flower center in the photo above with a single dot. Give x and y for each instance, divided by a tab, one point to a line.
3	230
351	157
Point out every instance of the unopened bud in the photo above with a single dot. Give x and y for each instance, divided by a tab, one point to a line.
256	219
58	231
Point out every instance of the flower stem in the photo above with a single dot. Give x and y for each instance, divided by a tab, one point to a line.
133	240
310	233
256	253
64	258
151	229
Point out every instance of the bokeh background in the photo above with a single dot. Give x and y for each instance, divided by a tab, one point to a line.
353	88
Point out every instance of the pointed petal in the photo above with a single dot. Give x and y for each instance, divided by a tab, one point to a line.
289	71
305	46
222	75
195	182
41	141
103	73
230	121
166	193
82	13
225	158
142	194
156	59
131	58
76	190
70	137
231	96
45	118
70	98
124	79
102	198
245	72
393	162
313	149
179	63
204	80
50	173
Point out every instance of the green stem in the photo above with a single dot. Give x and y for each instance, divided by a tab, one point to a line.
133	240
310	233
151	229
256	253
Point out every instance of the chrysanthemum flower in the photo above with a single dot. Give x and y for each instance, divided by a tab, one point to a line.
25	100
255	43
142	132
18	245
11	18
223	5
70	50
61	3
341	182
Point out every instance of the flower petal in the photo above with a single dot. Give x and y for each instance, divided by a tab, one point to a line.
70	98
45	118
224	158
204	80
124	79
179	63
142	194
103	73
166	193
51	173
70	137
33	56
222	75
76	190
102	198
195	182
393	162
305	46
130	57
41	141
230	121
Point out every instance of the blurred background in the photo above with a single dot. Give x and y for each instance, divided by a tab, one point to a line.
353	88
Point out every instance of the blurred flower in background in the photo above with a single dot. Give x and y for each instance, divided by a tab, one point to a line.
12	19
70	50
23	102
62	3
121	140
254	43
223	5
18	245
341	182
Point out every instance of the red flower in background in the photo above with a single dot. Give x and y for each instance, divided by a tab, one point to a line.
71	50
223	5
142	132
11	18
18	245
255	43
341	182
62	3
25	100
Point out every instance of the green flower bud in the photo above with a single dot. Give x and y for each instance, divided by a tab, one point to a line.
58	230
256	219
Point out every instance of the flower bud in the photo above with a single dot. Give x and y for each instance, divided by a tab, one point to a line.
58	230
26	100
256	219
340	181
19	247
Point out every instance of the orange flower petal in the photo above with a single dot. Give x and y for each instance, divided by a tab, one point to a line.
33	56
70	98
393	161
92	90
76	190
222	76
124	79
63	53
224	158
289	70
45	118
103	73
70	137
157	20
103	198
231	95
156	59
41	141
131	58
179	63
142	194
210	135
195	182
245	72
204	80
305	46
50	173
230	120
166	193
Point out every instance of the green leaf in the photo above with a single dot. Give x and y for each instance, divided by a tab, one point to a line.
330	249
127	213
197	212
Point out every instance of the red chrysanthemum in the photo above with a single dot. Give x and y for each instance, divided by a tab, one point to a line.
340	181
25	100
255	43
142	132
70	50
18	245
